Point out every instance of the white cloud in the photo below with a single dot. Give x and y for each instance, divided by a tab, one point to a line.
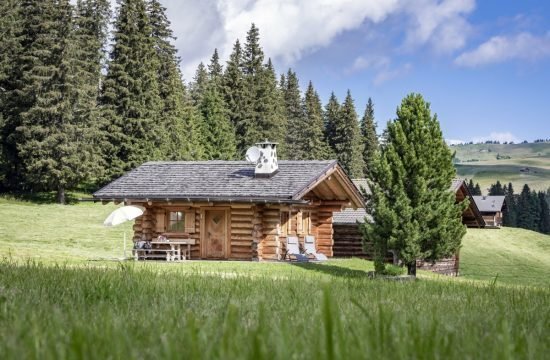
523	46
441	24
497	136
291	28
381	66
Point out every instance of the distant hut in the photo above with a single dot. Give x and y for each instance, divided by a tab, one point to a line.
491	208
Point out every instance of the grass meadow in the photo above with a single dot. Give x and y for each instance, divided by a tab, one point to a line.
62	298
479	162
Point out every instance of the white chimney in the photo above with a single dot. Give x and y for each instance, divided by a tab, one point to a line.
267	165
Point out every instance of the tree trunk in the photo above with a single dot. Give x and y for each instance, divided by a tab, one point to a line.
411	268
61	195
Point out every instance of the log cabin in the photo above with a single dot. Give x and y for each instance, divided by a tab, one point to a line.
491	208
236	210
348	240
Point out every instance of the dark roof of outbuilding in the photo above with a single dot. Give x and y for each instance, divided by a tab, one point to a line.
489	203
215	181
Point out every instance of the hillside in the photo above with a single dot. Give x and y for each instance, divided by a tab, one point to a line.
518	163
514	256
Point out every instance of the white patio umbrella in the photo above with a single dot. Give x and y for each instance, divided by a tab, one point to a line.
123	214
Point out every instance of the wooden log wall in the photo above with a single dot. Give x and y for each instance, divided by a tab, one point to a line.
271	245
242	232
324	230
348	242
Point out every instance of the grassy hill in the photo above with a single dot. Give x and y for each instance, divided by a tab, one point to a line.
512	256
479	162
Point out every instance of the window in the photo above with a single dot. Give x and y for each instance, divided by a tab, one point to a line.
176	221
306	222
285	223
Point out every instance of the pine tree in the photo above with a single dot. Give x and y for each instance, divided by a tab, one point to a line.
332	116
295	115
544	220
477	190
89	57
368	137
52	135
181	139
199	84
496	189
215	70
313	145
234	92
414	213
525	218
470	186
263	116
131	102
219	135
11	38
346	140
510	214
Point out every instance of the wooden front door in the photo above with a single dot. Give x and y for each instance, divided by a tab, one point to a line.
215	237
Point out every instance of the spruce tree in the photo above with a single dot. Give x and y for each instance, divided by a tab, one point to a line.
215	70
347	140
414	213
470	186
544	218
219	135
11	41
295	114
332	116
180	136
510	214
234	92
52	139
313	145
131	102
496	189
525	218
477	190
368	136
198	86
263	116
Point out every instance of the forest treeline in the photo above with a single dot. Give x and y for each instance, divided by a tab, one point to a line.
529	209
80	104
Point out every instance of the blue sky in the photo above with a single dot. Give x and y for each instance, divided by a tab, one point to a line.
483	65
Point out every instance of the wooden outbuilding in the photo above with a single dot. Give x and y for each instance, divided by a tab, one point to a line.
231	209
491	208
348	240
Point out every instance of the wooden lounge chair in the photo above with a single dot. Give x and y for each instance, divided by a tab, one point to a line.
309	247
293	249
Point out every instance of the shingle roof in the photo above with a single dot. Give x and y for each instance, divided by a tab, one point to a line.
489	203
456	184
216	180
350	216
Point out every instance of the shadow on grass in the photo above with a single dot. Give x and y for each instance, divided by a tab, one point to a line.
332	270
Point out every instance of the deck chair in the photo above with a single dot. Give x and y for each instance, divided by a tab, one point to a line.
293	249
309	247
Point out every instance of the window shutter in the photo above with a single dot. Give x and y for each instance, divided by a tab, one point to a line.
299	223
190	221
161	221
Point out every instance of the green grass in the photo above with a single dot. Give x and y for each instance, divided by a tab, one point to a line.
143	312
512	256
59	305
487	169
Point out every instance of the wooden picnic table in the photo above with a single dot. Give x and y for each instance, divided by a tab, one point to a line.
175	247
